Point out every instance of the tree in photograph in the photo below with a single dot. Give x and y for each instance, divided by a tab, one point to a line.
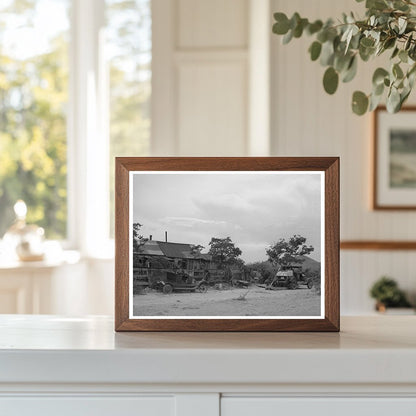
196	249
286	252
138	240
224	251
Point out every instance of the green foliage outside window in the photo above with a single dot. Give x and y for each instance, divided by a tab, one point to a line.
33	99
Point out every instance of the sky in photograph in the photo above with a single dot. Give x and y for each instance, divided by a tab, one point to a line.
254	209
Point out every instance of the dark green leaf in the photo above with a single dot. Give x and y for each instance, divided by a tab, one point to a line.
322	36
367	42
395	52
408	42
314	27
294	20
281	27
389	43
315	50
298	30
359	103
330	80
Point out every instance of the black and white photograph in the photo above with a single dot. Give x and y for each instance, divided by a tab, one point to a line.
226	244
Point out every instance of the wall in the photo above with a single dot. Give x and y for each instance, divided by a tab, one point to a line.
203	73
218	76
308	122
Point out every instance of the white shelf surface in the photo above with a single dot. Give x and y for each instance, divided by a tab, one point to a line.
53	349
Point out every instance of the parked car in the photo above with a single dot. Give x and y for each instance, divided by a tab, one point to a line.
290	276
180	282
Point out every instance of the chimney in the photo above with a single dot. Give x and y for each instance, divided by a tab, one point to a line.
166	236
150	237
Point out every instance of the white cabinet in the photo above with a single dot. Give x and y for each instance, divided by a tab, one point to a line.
79	366
269	406
87	406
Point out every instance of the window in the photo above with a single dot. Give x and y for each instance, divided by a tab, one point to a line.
129	43
75	87
33	97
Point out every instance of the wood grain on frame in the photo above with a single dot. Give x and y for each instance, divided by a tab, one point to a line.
329	165
378	245
375	204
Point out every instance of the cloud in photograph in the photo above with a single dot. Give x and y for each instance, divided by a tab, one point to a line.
254	209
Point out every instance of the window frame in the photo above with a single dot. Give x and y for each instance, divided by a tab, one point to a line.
88	133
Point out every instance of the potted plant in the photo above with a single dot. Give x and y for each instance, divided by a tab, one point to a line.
389	27
387	294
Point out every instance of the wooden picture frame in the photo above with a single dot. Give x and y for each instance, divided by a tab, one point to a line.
129	168
391	189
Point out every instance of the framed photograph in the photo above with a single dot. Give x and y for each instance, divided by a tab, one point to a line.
394	179
227	244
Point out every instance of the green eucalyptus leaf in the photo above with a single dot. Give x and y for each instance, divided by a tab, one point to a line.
400	5
315	50
374	102
397	71
294	20
355	41
351	71
404	96
327	54
322	36
395	52
412	52
367	42
314	27
393	101
288	37
298	30
376	4
389	43
281	27
366	53
379	75
403	56
359	103
408	42
330	80
378	89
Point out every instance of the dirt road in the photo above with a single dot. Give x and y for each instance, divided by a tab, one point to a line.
257	302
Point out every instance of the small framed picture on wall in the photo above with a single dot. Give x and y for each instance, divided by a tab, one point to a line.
394	178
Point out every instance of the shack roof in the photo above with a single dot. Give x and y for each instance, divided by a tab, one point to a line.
173	250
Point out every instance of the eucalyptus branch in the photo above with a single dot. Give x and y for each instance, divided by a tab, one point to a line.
389	25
